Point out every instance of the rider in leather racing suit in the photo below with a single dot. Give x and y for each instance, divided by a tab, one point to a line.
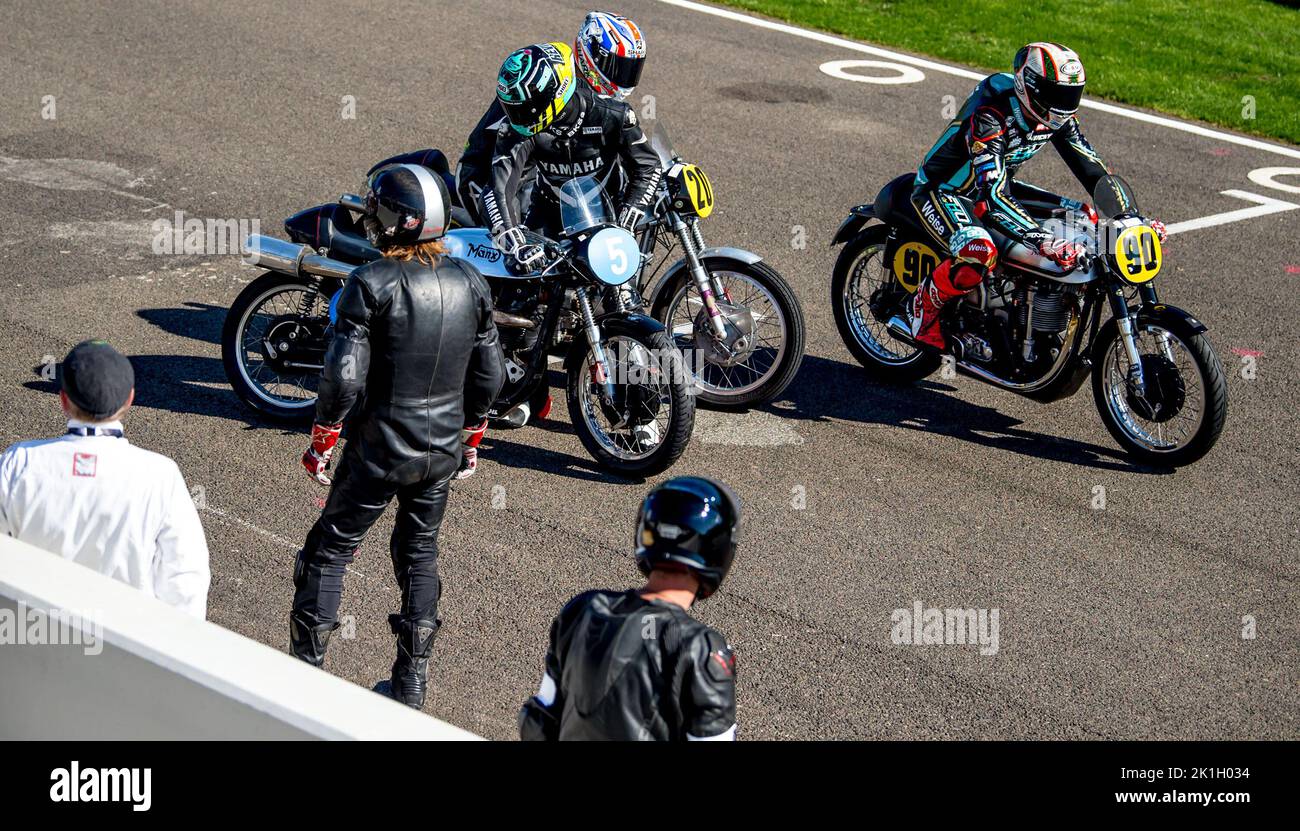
416	351
635	665
1003	124
561	130
608	53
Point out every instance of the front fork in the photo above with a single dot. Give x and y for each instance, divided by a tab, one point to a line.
600	366
692	244
1127	322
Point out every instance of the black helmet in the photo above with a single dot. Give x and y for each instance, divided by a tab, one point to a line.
689	522
406	204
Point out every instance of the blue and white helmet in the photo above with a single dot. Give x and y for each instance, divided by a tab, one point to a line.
609	52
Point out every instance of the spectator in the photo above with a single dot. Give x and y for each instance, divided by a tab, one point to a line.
634	665
92	497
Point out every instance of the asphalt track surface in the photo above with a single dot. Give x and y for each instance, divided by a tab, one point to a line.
1124	622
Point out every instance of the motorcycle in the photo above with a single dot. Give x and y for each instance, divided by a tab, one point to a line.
628	391
1035	329
736	320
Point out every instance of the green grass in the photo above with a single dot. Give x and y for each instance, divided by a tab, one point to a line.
1193	58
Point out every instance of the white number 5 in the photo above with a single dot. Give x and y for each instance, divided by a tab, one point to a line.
617	256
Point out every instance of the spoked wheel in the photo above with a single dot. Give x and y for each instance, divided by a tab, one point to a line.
764	342
1180	413
865	293
273	345
647	425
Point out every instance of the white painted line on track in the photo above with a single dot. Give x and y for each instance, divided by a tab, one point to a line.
902	74
832	40
1265	176
1266	205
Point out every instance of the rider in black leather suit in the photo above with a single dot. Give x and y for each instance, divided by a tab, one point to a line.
416	351
635	665
583	135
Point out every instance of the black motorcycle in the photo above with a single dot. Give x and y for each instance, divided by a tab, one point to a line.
628	390
1035	329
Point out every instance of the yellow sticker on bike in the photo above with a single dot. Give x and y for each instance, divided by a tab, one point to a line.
1137	254
913	262
696	187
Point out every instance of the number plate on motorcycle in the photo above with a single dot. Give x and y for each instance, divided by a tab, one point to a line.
913	262
691	190
1137	254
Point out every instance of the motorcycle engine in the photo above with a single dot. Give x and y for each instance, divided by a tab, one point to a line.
520	301
1052	308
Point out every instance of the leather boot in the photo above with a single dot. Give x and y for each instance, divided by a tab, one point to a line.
409	680
309	642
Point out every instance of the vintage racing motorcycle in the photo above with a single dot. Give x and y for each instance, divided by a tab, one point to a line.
736	320
1037	330
627	388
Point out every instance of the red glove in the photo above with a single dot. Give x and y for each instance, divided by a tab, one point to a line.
1090	212
470	437
317	458
1162	233
1062	252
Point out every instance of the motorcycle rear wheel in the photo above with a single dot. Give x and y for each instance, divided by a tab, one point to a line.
260	385
860	268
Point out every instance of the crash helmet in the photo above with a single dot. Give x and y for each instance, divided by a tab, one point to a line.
535	86
1049	82
974	246
689	523
609	53
406	204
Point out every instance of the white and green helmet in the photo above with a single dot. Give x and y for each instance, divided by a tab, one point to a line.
1049	82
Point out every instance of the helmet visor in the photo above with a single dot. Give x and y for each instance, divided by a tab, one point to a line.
620	71
1059	98
528	118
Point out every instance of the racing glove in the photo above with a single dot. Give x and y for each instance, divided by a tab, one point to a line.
469	439
513	242
1062	252
1162	233
317	458
629	217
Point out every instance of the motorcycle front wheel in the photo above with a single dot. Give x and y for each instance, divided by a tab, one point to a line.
1181	414
762	359
267	331
647	426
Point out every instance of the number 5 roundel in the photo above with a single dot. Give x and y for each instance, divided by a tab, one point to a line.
614	255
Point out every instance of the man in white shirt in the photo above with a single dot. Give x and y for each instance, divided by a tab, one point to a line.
94	498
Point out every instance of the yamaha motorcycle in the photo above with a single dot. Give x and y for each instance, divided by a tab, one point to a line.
735	318
628	391
1035	329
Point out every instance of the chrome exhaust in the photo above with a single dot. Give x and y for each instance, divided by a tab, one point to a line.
899	328
512	321
292	258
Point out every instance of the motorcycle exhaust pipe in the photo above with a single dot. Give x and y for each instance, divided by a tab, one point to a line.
291	258
899	328
512	321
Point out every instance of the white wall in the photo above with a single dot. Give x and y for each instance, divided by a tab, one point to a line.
160	674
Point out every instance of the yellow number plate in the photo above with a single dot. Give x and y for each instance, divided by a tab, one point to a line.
913	262
1137	254
696	188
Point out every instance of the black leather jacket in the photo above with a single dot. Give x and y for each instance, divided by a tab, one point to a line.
979	153
623	668
602	134
418	346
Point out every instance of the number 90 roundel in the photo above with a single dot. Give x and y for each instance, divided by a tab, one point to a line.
691	190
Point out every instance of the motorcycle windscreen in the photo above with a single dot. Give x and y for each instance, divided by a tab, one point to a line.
583	205
1112	197
475	245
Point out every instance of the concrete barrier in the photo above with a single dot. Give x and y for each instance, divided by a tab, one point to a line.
126	666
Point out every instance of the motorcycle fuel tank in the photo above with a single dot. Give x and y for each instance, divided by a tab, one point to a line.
475	245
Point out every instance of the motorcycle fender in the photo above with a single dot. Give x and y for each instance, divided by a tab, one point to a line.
853	223
1154	314
712	258
628	324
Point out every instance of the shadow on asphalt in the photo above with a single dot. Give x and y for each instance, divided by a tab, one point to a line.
200	321
827	389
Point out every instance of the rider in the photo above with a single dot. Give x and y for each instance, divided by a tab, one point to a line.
635	665
419	400
608	53
1003	124
559	129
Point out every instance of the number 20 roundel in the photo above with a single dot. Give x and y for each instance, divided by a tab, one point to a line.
691	190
